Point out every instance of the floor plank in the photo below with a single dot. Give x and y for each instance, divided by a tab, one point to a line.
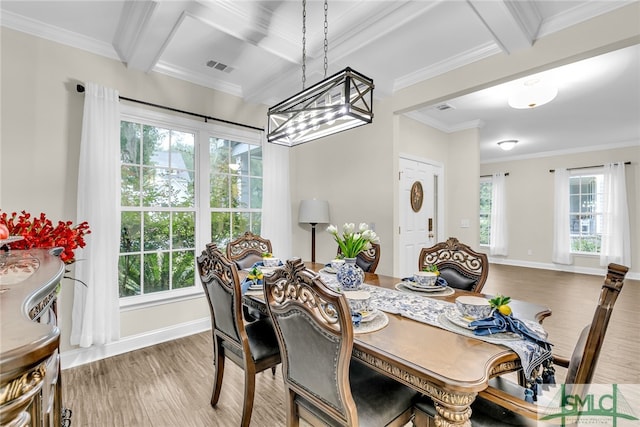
170	384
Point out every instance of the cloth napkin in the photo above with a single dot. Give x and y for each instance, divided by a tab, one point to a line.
498	323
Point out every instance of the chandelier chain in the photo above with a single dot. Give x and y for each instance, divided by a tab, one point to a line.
304	43
326	39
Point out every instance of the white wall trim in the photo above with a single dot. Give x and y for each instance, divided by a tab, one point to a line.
80	356
557	267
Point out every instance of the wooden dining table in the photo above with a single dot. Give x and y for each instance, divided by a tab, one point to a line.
450	368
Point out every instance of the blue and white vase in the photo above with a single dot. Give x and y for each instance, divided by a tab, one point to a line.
350	275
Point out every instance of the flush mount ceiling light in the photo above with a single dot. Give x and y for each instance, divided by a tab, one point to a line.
340	102
532	94
507	144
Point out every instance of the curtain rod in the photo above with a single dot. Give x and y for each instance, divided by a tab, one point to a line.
489	176
586	167
80	89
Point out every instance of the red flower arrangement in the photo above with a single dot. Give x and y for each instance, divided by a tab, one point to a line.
39	232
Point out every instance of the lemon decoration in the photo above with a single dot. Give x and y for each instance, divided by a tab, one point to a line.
432	268
500	303
255	274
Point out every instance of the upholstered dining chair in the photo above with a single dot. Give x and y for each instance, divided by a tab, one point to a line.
368	260
461	266
502	403
247	249
252	346
323	384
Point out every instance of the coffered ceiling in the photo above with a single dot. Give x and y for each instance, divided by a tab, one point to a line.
252	49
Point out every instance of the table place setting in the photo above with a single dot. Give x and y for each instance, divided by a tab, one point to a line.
426	284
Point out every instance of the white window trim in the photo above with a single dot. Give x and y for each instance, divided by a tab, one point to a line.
202	130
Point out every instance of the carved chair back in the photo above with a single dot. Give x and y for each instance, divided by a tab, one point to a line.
368	260
247	249
459	265
314	329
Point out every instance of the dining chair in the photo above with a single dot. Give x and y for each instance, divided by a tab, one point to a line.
323	383
368	259
247	249
502	402
252	346
462	267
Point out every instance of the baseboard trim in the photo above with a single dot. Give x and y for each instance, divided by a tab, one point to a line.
557	267
81	356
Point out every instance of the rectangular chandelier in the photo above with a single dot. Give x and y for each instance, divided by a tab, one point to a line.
337	103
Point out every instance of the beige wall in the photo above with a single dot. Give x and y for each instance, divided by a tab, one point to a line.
354	171
530	203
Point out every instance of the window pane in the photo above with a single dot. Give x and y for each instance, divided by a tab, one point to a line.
255	164
130	138
256	193
240	156
219	155
219	191
156	231
155	187
183	271
130	232
239	191
130	188
129	275
256	223
183	231
486	188
221	228
240	223
156	144
156	272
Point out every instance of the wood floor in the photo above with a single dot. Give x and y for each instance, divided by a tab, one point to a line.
170	384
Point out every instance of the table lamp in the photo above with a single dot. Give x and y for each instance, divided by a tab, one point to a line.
313	212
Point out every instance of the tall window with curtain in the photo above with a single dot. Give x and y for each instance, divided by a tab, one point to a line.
592	216
184	183
493	218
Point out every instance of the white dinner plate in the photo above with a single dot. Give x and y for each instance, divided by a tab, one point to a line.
419	288
328	270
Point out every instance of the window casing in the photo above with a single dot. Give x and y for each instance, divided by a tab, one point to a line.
486	195
585	211
183	184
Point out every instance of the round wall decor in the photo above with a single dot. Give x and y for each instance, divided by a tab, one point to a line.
416	196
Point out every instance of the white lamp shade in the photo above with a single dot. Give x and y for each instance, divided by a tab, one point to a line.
314	212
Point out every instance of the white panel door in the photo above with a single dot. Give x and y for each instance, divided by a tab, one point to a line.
418	229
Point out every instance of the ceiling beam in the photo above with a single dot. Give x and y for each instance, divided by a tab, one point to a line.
513	25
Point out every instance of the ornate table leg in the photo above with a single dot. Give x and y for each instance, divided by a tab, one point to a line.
453	409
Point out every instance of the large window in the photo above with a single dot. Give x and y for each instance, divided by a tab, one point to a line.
585	206
486	190
183	184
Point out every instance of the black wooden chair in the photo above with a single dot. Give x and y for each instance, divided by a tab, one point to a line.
461	266
323	384
502	403
252	346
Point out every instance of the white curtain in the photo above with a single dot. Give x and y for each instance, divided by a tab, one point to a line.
96	313
616	244
561	228
499	239
276	199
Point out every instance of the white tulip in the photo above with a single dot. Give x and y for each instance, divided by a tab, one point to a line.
332	229
363	226
349	228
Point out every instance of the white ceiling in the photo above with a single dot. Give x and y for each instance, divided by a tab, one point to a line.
397	43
